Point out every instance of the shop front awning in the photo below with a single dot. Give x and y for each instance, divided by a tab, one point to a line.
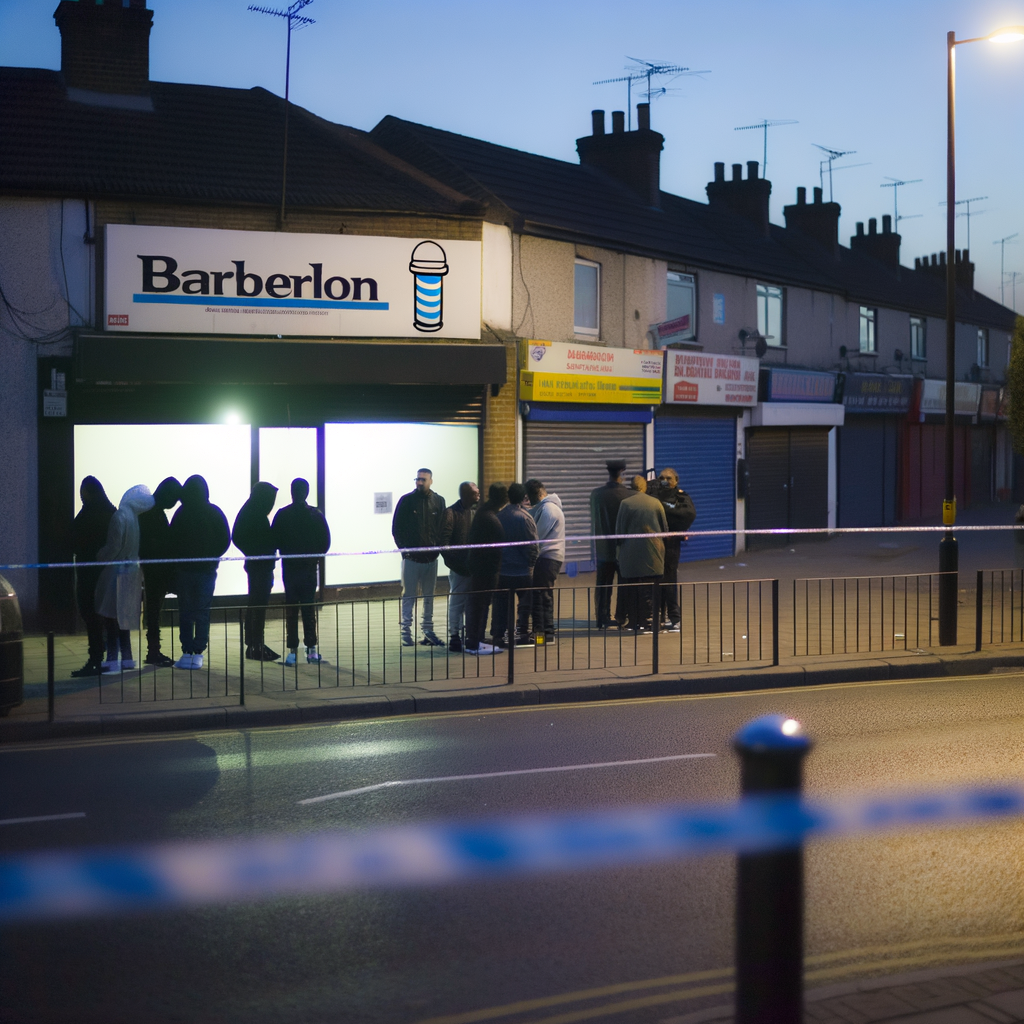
159	359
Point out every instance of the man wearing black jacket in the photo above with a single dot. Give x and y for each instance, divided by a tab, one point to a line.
604	509
251	535
680	513
418	523
457	520
483	568
198	530
155	542
89	534
300	529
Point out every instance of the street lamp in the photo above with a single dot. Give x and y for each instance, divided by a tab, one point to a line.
949	557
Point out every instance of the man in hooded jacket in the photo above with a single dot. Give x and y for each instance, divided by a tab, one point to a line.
89	534
300	529
484	562
119	589
252	536
546	510
604	509
199	530
158	580
457	521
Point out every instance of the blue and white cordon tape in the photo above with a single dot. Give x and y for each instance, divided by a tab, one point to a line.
83	882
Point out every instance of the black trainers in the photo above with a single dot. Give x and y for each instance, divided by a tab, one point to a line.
407	640
525	640
455	644
159	660
431	640
268	655
90	668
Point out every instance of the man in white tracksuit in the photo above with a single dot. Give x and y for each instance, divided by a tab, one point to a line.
547	512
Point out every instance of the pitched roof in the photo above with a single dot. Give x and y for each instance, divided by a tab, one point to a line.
198	143
558	199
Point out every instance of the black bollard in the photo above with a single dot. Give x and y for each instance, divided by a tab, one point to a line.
50	695
511	637
770	886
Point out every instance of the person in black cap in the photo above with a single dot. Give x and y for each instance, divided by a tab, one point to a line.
604	509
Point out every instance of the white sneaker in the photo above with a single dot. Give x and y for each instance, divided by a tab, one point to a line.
291	659
197	661
184	662
111	665
127	664
483	649
313	656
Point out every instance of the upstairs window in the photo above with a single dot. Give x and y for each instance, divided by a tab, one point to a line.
587	304
918	337
770	314
868	333
681	307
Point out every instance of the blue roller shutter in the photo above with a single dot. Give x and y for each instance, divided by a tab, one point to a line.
702	450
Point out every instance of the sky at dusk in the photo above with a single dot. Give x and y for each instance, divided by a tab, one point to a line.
866	76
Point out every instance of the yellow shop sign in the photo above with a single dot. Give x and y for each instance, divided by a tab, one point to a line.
552	371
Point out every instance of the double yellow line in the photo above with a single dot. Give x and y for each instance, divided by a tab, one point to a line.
866	961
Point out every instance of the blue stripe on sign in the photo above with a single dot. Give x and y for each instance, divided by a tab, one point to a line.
428	280
47	885
427	303
220	300
433	287
422	294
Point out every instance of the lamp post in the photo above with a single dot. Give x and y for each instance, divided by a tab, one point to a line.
948	549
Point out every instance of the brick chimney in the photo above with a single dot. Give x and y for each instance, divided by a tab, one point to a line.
817	220
937	266
104	47
884	247
746	197
634	158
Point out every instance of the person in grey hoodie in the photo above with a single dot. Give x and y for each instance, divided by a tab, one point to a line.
516	572
547	513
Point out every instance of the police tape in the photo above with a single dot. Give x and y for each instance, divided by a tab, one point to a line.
618	537
60	884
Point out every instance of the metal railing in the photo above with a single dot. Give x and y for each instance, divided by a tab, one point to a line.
863	613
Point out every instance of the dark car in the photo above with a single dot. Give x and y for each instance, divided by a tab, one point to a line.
12	673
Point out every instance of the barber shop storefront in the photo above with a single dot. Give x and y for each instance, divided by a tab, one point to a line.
244	356
876	405
791	452
923	465
698	432
580	407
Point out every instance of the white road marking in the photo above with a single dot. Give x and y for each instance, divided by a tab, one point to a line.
495	775
42	817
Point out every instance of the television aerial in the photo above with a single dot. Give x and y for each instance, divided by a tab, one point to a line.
765	125
641	70
961	202
833	155
297	21
895	184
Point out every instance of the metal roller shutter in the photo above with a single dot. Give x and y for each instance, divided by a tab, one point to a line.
867	471
569	458
702	450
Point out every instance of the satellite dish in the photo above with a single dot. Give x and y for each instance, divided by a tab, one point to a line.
760	347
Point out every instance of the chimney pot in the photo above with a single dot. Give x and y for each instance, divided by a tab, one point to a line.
631	158
737	172
801	196
752	170
643	117
719	171
817	194
917	262
967	255
886	224
618	122
860	229
872	226
597	121
942	258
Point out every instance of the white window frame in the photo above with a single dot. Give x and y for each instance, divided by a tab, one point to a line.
583	331
919	351
689	281
764	293
983	348
868	317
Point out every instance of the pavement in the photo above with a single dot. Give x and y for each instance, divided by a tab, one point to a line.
974	994
367	676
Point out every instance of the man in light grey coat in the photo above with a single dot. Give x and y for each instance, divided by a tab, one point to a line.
547	513
641	559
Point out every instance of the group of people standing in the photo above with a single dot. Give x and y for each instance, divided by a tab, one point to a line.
518	538
181	557
617	511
